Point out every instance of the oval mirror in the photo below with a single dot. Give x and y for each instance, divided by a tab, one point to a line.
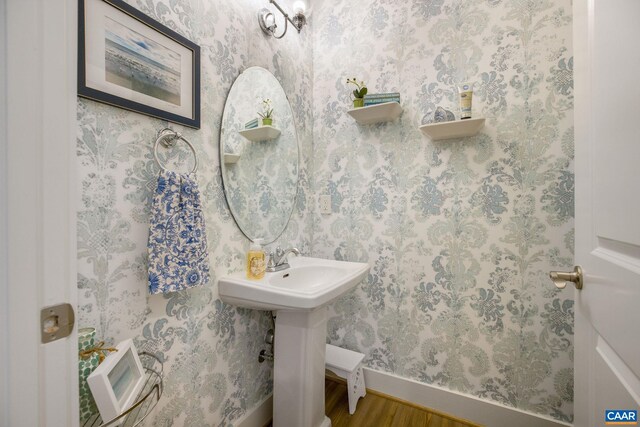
259	163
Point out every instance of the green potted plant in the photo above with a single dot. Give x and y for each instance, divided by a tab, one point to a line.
358	93
267	112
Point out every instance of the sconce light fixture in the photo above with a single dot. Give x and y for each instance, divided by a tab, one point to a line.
267	19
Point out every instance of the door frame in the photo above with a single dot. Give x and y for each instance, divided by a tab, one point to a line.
40	381
582	166
4	330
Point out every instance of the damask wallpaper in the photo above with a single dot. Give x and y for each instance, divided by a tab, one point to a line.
209	349
460	234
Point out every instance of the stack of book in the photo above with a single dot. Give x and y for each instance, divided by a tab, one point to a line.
381	98
251	124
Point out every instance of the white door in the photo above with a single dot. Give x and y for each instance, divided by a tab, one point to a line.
38	382
607	130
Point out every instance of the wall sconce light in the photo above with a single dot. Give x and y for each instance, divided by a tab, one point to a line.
267	19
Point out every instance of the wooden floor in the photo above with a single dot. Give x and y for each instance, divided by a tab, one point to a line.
378	410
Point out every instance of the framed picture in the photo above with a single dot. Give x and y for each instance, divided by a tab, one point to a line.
116	382
129	60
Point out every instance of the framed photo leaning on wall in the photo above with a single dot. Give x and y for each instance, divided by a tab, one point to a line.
129	60
117	381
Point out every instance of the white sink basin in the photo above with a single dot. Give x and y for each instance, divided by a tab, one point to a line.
299	295
308	284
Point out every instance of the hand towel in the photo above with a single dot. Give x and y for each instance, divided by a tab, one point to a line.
178	256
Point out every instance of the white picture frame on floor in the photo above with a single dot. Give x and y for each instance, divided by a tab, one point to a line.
117	381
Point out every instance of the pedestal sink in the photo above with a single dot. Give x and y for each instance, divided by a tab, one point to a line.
299	296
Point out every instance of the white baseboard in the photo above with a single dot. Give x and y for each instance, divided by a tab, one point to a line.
457	404
460	405
259	416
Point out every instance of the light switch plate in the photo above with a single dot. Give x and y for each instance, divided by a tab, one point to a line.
325	204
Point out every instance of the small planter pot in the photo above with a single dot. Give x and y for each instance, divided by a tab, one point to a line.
267	122
358	103
86	365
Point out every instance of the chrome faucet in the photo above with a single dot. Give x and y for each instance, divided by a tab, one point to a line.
278	260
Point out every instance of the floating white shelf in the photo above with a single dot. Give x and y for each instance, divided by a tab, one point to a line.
261	133
376	113
231	158
454	129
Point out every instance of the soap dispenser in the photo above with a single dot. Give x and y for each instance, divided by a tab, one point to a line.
256	260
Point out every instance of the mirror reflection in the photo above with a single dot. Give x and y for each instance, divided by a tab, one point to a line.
259	161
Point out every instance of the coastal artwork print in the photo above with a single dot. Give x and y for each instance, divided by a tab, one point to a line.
128	60
141	64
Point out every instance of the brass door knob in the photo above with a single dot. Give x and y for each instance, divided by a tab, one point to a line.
560	278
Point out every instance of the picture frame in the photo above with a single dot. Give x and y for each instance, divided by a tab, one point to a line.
117	381
131	61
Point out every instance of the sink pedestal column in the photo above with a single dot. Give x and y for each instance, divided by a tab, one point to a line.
298	377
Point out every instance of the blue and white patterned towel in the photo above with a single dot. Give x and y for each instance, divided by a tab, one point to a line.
178	256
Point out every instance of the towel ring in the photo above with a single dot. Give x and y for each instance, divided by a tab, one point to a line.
168	138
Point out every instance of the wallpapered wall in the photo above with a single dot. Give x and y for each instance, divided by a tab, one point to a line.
460	234
209	349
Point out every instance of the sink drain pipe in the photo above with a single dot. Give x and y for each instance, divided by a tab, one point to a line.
267	354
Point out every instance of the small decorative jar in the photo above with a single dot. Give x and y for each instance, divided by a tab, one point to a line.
441	115
267	121
358	102
86	365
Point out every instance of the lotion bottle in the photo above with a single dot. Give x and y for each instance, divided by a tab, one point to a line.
256	261
466	97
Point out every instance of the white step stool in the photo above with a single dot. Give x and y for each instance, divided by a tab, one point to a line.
347	364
